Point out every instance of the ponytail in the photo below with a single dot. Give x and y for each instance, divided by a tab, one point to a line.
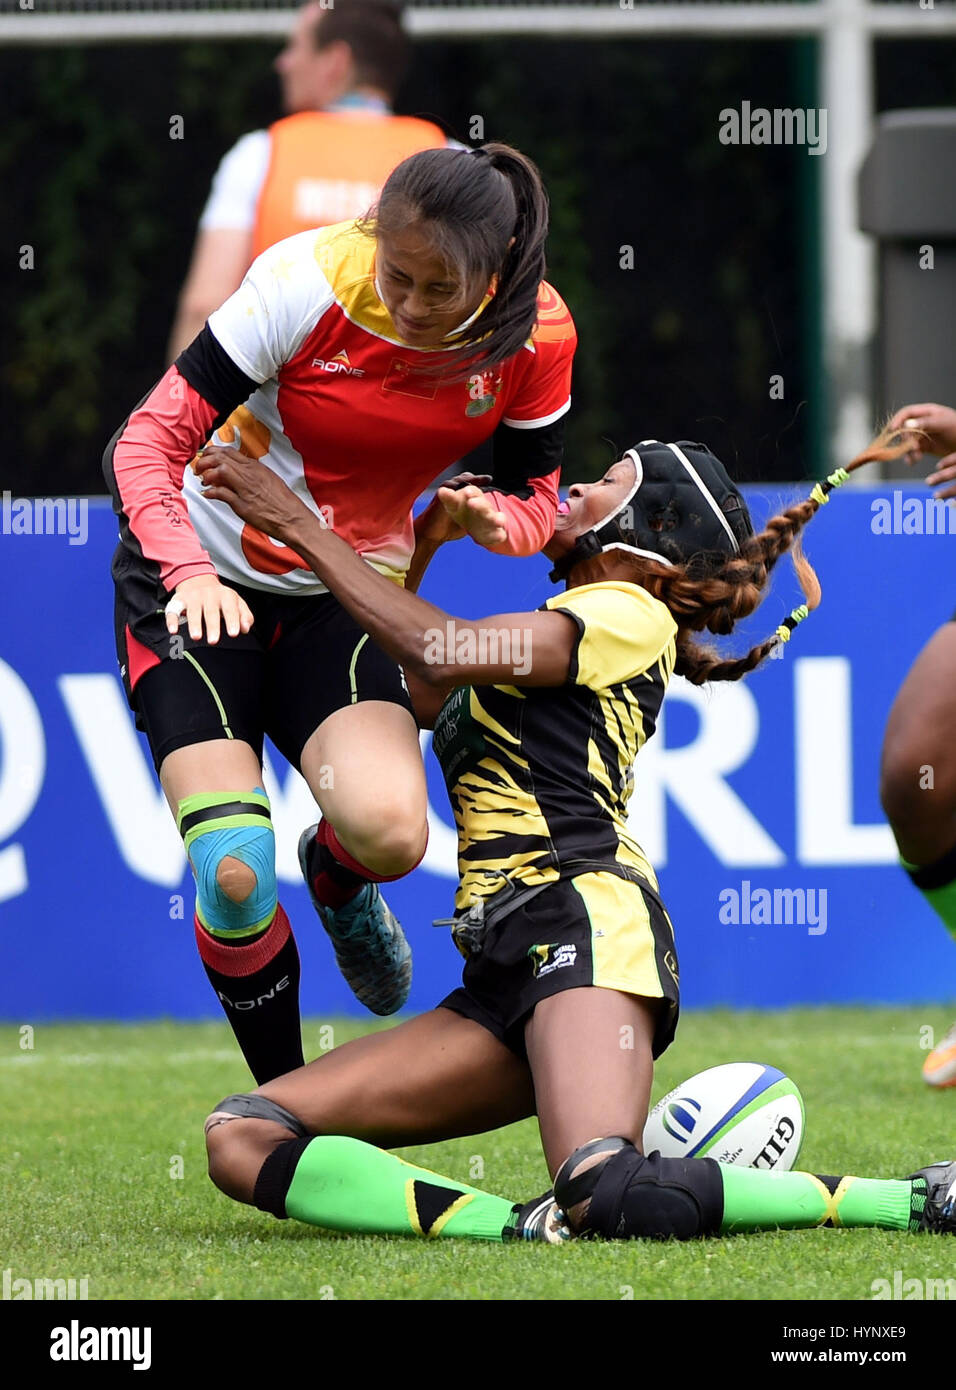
512	313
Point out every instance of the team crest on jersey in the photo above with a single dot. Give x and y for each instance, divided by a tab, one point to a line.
483	390
545	959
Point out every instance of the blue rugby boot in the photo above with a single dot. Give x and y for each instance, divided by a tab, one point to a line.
370	946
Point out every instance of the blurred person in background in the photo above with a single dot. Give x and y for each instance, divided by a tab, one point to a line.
324	162
918	774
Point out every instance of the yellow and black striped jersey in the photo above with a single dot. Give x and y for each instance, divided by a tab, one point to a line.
540	777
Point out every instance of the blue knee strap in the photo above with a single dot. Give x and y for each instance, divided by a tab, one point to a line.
236	826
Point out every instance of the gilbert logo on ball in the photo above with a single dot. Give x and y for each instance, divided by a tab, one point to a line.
744	1113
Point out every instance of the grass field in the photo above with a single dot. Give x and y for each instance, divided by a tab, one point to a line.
97	1119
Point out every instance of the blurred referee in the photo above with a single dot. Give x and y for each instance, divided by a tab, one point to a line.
325	162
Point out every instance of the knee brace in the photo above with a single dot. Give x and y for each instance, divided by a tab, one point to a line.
278	1168
633	1195
234	825
254	1107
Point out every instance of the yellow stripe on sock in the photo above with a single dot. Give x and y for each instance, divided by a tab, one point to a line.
831	1201
410	1206
440	1222
446	1216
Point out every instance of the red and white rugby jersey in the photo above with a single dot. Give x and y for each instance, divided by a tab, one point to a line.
337	412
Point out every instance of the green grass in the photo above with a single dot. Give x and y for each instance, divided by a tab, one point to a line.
95	1116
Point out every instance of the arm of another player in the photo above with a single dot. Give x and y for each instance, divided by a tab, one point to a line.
434	527
442	651
932	429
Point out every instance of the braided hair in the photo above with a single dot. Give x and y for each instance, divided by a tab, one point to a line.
716	594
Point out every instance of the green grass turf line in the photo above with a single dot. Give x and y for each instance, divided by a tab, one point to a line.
98	1117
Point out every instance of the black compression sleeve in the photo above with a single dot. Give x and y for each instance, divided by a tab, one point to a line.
276	1174
520	455
210	370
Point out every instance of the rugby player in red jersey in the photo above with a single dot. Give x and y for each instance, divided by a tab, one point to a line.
358	362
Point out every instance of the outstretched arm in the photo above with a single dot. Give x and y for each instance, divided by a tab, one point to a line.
437	648
436	524
434	527
932	430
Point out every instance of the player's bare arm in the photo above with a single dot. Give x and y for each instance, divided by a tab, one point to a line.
400	622
929	428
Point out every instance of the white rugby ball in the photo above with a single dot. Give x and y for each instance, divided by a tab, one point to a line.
741	1112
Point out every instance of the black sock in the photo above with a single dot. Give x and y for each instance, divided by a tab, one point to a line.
257	984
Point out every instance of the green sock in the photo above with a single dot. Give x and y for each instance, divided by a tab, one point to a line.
941	896
346	1185
756	1201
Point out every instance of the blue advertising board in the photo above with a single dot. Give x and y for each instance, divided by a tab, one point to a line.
758	801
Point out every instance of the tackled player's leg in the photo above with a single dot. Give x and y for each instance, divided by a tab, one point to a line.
592	1102
311	1144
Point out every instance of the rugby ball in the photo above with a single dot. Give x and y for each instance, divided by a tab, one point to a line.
741	1112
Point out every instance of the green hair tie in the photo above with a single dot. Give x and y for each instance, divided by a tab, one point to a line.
820	492
786	627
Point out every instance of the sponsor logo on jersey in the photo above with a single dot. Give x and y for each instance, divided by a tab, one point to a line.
545	959
339	363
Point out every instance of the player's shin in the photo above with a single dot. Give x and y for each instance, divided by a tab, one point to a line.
757	1201
608	1188
243	935
344	1184
937	883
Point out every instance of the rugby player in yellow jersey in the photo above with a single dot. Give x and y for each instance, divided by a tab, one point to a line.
570	987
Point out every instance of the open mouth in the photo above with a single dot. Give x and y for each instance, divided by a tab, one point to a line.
563	508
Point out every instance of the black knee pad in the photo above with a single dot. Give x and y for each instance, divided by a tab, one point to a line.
645	1196
252	1107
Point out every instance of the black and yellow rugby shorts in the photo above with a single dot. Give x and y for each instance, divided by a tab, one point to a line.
596	929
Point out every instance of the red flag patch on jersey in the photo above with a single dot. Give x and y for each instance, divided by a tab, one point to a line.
403	378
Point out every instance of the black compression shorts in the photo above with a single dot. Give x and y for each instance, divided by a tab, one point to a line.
303	659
